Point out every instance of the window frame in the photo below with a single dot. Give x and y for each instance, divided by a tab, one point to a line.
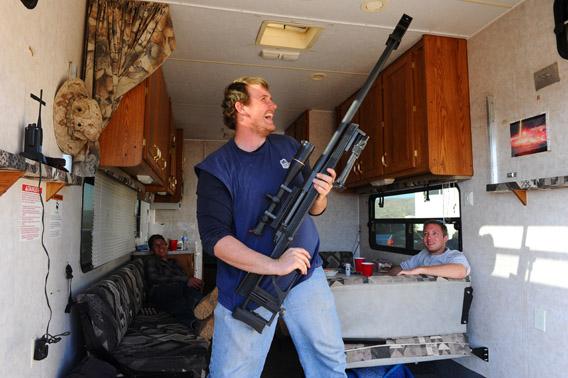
409	222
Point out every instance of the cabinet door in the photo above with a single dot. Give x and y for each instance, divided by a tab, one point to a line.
399	143
157	128
122	139
447	91
420	124
175	182
371	119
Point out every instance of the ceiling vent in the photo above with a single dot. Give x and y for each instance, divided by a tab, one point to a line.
285	35
273	54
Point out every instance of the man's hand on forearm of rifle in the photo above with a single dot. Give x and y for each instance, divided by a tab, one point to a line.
322	184
292	259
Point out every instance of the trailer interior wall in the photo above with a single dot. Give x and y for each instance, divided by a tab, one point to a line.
518	254
37	47
338	226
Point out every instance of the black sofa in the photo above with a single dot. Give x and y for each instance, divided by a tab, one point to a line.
138	340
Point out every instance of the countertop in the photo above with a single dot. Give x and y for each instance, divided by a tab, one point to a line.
170	253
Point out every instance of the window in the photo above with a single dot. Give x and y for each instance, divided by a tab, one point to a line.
108	224
396	220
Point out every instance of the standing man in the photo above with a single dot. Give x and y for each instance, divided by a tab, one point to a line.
435	259
231	191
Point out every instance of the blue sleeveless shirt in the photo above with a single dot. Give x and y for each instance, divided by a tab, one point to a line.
249	176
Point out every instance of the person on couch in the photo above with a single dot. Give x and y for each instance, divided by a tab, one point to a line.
169	287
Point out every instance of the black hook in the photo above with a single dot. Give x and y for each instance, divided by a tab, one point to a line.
30	4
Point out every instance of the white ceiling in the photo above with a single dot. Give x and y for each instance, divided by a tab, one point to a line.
216	44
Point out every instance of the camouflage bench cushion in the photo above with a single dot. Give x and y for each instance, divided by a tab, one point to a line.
137	339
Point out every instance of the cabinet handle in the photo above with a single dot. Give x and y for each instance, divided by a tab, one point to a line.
173	183
383	160
155	153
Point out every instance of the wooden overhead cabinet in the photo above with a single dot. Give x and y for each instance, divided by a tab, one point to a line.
417	115
175	181
138	136
441	117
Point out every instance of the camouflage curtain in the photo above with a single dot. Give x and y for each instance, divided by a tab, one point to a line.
125	42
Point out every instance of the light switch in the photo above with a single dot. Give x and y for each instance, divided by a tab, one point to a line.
469	198
540	319
546	76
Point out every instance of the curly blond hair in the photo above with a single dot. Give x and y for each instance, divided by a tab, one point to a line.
237	92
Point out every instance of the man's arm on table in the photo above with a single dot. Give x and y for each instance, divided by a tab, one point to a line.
457	271
395	270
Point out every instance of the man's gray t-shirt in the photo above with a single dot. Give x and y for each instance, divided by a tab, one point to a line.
424	258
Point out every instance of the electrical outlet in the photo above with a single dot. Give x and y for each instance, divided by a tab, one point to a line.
40	348
540	319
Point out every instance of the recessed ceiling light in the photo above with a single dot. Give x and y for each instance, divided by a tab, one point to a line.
318	76
372	6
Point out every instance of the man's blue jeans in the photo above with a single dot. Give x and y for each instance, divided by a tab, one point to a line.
311	318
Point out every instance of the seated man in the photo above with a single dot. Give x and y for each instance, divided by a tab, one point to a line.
169	288
435	259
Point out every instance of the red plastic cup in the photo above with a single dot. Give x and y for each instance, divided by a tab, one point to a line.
173	245
358	262
367	268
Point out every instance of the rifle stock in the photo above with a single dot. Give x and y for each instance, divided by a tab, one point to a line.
347	137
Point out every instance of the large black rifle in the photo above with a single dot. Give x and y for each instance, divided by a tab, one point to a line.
290	205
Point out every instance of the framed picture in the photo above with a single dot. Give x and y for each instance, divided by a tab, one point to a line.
529	136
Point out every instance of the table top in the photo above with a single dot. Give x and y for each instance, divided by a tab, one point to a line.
170	253
341	279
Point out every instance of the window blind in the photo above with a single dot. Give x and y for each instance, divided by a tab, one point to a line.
114	220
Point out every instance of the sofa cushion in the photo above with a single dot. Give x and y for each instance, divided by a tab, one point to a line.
111	305
98	321
156	342
134	274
